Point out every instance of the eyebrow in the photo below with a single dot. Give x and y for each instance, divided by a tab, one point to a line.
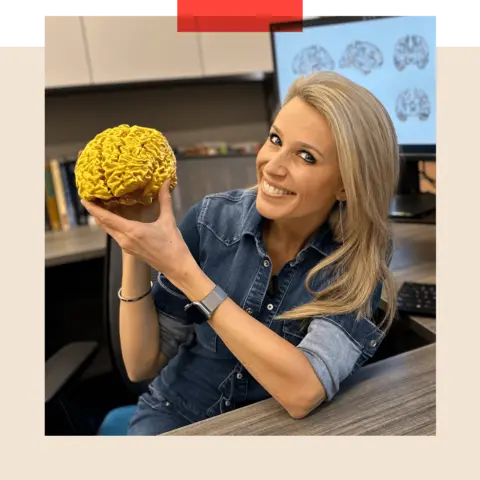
303	144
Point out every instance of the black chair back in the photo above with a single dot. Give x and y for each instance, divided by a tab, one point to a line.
113	281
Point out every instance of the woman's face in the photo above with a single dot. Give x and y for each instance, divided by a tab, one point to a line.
297	167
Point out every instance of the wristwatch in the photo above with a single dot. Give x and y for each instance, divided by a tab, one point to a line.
207	306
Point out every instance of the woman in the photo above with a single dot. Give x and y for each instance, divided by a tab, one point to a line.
289	271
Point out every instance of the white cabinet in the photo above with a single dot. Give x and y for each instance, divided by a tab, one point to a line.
65	55
101	50
131	49
235	53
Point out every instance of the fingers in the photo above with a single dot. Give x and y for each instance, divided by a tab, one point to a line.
165	201
106	218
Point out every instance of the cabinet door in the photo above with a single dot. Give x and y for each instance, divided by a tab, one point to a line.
236	53
65	53
131	49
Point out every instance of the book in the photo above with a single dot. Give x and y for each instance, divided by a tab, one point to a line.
59	194
69	196
51	201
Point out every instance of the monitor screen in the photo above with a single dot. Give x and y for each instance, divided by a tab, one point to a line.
393	57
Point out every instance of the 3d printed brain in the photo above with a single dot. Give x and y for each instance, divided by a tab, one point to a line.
411	50
363	56
312	59
413	102
125	165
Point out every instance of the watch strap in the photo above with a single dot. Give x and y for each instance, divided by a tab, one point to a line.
208	305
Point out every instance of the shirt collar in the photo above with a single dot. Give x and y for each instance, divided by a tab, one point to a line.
323	241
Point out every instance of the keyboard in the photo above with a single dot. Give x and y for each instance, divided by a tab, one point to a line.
418	299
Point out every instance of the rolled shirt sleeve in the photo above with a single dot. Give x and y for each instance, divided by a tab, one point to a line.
337	345
332	354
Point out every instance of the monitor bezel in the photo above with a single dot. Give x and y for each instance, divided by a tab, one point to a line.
408	152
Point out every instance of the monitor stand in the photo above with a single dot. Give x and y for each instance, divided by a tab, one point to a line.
409	202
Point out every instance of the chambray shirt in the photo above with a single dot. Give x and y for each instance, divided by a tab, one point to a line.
224	234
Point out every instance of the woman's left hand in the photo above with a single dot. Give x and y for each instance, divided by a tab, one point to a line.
159	243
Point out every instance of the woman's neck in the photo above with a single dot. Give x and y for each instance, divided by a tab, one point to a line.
286	240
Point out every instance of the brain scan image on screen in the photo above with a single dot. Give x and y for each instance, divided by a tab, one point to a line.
363	56
411	50
413	102
312	59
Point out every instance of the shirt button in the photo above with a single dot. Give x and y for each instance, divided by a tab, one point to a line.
167	404
270	306
373	343
249	311
239	376
227	403
266	263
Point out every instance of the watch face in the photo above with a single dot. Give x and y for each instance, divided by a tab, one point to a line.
203	309
196	314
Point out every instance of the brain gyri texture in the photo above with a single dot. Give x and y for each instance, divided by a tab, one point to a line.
125	165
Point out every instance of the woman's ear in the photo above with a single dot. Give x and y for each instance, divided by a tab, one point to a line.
341	195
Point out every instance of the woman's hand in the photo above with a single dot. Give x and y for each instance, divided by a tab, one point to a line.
150	234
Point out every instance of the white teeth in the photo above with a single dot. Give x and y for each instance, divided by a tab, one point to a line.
274	191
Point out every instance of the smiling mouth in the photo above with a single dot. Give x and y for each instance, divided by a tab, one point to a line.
273	191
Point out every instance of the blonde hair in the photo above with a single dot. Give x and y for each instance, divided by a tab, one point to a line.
368	157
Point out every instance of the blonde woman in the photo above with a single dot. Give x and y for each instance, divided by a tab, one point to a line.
266	291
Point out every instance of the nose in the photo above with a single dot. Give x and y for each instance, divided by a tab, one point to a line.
276	165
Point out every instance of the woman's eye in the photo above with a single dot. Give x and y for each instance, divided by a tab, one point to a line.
274	138
308	157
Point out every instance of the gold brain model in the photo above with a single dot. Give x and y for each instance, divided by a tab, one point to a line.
125	165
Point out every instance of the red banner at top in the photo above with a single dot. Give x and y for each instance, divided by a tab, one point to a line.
246	8
241	16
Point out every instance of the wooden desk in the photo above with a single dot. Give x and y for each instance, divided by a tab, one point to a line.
81	243
392	397
395	396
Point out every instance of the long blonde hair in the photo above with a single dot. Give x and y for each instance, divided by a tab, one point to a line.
368	157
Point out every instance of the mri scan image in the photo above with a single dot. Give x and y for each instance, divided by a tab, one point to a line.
312	59
411	50
363	56
413	102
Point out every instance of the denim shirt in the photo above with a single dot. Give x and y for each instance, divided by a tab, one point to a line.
224	234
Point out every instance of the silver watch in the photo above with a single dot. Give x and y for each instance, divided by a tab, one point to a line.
208	305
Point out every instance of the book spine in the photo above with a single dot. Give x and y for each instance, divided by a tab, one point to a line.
69	199
59	194
80	210
51	201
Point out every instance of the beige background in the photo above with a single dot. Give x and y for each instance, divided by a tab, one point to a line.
25	453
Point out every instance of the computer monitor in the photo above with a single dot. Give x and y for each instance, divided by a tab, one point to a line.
393	57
